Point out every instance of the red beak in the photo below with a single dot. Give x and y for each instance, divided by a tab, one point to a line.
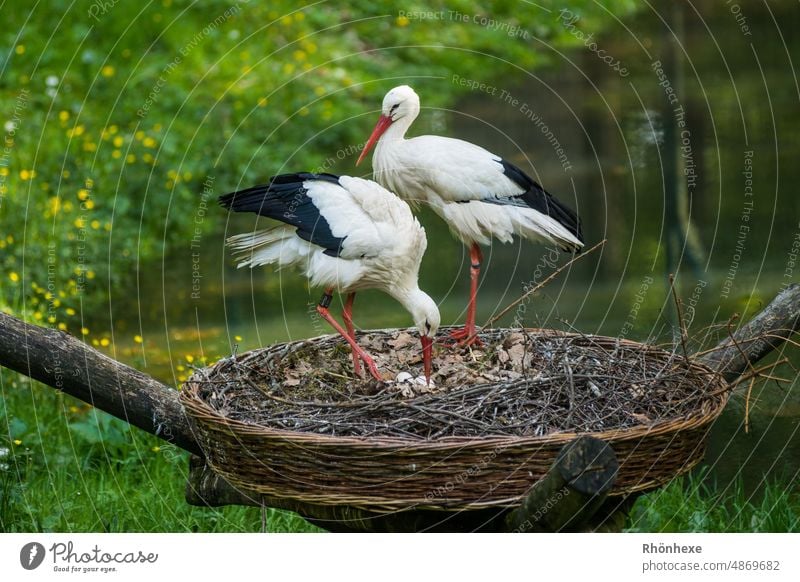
383	124
427	356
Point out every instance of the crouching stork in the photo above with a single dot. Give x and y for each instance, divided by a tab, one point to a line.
346	234
477	193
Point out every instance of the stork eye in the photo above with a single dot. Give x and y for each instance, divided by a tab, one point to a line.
395	106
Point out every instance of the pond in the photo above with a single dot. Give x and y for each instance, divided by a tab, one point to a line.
681	154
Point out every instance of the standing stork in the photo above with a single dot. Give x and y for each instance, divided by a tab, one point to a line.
345	234
478	194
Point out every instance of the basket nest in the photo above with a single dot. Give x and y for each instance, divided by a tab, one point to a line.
292	421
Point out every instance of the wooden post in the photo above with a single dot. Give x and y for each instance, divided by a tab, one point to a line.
572	491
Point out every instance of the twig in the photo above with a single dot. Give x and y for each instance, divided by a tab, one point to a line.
549	278
681	323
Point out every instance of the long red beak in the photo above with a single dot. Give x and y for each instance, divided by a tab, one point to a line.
427	356
383	124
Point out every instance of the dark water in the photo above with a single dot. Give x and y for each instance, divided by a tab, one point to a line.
686	164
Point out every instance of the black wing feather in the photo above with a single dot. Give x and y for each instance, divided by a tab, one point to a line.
541	200
285	199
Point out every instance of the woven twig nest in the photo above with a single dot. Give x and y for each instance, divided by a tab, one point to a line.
290	421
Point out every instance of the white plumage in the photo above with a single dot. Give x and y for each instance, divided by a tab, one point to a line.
477	193
345	234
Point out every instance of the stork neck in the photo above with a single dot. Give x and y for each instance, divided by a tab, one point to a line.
409	296
396	131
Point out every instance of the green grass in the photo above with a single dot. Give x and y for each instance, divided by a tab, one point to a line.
691	504
65	469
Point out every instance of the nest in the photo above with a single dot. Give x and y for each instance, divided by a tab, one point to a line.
292	421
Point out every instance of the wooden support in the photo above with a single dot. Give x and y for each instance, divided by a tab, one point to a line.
766	332
572	491
63	362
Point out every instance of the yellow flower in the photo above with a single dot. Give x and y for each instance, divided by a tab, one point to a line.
156	449
89	204
3	171
299	16
149	142
83	194
13	276
24	174
62	326
51	319
238	338
113	129
70	311
20	49
402	21
189	358
65	173
90	275
78	130
17	442
95	343
288	69
95	224
85	331
116	154
73	409
137	339
63	115
148	158
107	71
263	102
118	141
286	20
299	55
130	158
79	223
89	146
139	135
104	342
37	315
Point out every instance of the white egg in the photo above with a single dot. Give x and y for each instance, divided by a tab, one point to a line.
404	377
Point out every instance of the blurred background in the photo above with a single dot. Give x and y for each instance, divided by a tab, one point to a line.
671	129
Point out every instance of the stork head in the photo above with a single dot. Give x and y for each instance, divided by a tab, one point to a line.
400	103
426	319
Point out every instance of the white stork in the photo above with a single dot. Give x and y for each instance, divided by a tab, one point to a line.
478	194
345	234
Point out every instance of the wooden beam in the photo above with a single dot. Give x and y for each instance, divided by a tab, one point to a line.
63	362
766	332
572	491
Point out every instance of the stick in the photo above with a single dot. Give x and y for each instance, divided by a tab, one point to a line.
549	278
681	323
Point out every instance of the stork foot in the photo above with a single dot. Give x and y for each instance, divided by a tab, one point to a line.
369	363
464	337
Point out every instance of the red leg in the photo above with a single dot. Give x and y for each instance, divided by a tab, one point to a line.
466	336
322	309
347	315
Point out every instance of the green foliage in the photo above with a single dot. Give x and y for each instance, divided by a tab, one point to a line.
122	114
690	504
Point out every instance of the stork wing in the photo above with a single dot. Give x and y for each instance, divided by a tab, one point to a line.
459	171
